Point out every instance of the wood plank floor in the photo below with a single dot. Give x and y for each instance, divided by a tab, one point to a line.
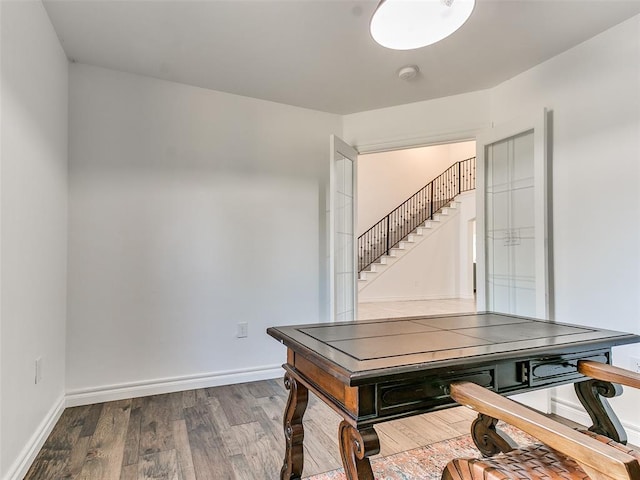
222	433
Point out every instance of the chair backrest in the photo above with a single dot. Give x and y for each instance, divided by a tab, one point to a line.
599	460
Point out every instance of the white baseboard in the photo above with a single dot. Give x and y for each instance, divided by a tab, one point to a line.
468	296
414	298
576	413
21	465
123	391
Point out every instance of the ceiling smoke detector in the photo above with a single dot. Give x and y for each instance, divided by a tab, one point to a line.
408	73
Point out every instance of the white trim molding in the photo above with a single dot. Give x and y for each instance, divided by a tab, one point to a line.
159	386
21	465
576	413
463	134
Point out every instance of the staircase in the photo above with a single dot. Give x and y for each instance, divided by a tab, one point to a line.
372	271
409	223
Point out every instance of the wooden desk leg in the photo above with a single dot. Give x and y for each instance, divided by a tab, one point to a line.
605	422
293	429
355	447
489	439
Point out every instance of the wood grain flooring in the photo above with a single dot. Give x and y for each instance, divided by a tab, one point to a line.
232	432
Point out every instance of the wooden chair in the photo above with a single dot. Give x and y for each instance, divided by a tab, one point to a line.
564	453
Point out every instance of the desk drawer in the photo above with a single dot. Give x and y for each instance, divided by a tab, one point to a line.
398	397
562	368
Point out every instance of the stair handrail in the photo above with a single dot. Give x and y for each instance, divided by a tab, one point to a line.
398	224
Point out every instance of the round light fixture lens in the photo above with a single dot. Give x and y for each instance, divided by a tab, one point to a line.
409	24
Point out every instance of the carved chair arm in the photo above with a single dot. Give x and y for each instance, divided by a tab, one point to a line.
598	460
609	373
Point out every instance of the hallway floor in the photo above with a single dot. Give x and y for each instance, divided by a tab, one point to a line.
373	310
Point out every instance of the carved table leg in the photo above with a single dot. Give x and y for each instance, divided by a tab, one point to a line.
605	422
293	429
355	448
489	439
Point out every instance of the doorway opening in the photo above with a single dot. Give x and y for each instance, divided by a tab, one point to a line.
420	204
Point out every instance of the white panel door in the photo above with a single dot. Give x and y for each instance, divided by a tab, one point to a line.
513	232
342	216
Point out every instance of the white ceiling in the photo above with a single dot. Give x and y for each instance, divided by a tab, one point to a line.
318	53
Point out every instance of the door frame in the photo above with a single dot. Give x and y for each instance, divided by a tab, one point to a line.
337	145
403	143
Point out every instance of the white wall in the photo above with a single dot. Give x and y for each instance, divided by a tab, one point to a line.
443	120
593	91
437	267
33	204
386	179
190	211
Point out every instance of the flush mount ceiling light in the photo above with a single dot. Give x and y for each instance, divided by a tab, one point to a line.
409	24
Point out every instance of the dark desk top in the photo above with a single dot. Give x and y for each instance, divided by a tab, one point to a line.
360	351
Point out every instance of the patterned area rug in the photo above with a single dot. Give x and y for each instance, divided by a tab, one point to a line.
425	463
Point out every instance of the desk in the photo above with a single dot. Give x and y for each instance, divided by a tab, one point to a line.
373	371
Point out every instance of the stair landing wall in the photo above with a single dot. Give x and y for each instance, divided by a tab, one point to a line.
440	266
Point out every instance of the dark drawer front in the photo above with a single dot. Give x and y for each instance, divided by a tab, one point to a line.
561	369
399	397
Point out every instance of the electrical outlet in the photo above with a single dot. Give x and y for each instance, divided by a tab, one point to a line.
243	330
38	370
635	364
